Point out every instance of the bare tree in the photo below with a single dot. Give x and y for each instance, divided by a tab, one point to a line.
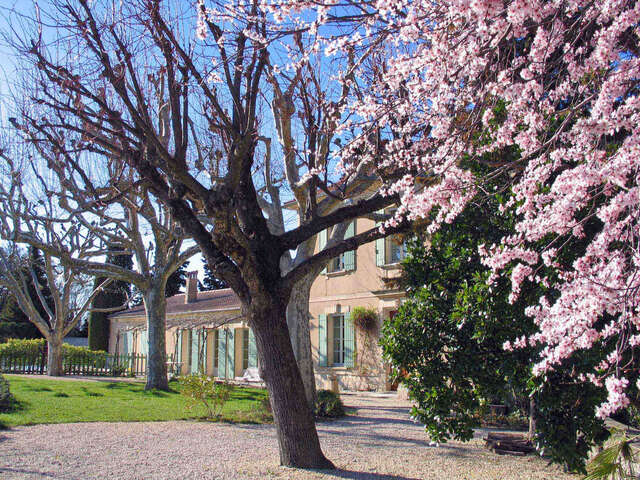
215	93
304	95
131	222
61	299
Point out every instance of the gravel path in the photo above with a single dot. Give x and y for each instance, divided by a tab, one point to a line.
377	443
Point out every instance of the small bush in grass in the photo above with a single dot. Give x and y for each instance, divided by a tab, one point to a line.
7	402
203	390
328	405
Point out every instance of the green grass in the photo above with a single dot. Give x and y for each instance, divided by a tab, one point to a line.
65	401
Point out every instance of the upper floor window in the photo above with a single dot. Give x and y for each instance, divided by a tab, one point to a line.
392	249
395	249
344	262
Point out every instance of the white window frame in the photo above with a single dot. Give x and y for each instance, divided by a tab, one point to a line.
389	244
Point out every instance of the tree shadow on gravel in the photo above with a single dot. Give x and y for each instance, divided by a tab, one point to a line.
24	472
363	475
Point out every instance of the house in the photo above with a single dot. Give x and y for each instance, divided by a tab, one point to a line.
206	331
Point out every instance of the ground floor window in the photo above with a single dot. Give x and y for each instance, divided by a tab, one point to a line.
338	339
215	334
245	348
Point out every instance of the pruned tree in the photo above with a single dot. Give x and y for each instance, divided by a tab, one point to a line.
204	164
61	299
127	221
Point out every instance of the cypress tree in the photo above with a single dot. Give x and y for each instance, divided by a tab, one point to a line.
210	282
177	280
114	295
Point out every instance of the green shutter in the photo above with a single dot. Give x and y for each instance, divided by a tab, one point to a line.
130	344
204	351
349	341
380	253
222	353
194	351
144	342
322	242
350	256
179	347
322	340
231	354
253	351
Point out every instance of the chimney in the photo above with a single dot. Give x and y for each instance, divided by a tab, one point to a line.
191	293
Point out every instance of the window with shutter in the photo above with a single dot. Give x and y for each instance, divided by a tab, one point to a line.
194	350
322	340
322	242
245	349
350	256
346	261
390	250
349	341
216	350
144	342
337	326
253	351
179	348
222	353
231	353
205	335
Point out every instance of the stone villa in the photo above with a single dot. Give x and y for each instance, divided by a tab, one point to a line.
206	332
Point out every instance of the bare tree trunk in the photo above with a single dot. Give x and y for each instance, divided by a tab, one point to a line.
298	322
155	304
54	356
295	426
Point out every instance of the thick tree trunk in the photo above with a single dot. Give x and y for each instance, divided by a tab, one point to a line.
295	426
298	322
155	304
54	356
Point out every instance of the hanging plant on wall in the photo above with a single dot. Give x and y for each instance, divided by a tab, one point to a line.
365	318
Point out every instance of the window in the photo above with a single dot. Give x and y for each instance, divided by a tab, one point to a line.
336	264
346	261
396	249
245	348
338	339
390	250
216	339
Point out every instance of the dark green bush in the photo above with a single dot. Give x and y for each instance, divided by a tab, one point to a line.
328	405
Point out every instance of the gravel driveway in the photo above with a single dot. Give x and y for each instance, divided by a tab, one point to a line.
377	443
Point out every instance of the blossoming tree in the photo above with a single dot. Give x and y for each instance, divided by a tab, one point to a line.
556	80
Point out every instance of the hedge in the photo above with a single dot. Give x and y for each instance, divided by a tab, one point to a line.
35	346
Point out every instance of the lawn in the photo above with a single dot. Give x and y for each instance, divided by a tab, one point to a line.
65	401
